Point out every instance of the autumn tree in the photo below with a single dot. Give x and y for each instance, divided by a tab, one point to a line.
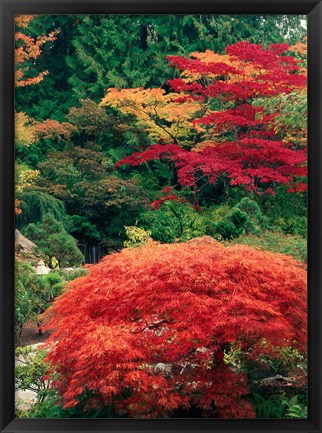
56	96
28	49
148	329
208	126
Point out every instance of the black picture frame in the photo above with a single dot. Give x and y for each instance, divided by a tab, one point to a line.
313	10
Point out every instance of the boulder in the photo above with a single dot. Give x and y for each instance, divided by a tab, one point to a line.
22	244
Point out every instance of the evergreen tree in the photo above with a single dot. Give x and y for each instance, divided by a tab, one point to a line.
54	243
129	51
36	204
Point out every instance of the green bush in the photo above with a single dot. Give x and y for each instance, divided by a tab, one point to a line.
25	286
245	217
287	211
30	371
173	222
35	205
277	242
82	229
296	225
54	243
136	236
34	293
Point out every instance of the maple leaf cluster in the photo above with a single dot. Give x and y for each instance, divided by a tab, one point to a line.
144	332
236	139
28	48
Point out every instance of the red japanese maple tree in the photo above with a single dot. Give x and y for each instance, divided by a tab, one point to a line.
145	331
230	137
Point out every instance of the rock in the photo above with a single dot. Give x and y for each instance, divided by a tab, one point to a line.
162	368
22	243
25	399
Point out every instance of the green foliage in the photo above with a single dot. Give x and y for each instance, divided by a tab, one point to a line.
128	51
287	211
257	220
99	203
71	274
52	97
292	112
30	371
173	222
25	285
33	294
95	124
82	229
277	242
54	242
136	236
295	409
245	217
36	204
48	287
278	405
51	407
270	406
296	225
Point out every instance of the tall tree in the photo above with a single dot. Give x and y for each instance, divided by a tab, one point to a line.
128	51
209	127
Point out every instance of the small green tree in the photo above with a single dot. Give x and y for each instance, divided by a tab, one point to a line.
173	222
245	217
57	247
25	283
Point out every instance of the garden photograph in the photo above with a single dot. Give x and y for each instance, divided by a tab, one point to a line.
161	216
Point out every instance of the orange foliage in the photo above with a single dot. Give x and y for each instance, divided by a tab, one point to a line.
28	48
53	129
179	305
18	211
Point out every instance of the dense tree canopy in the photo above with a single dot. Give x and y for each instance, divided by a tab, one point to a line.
211	113
180	305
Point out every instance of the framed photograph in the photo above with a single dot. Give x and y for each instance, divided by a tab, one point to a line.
161	216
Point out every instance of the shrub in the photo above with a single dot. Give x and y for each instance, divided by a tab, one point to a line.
145	331
136	236
277	242
172	222
25	285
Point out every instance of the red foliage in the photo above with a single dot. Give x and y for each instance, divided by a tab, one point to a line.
246	162
238	143
179	305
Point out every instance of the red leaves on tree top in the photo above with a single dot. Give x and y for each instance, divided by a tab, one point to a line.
238	141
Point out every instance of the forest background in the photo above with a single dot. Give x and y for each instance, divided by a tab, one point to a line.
113	117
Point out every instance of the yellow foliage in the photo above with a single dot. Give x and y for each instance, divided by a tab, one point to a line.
25	178
136	236
154	111
24	130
